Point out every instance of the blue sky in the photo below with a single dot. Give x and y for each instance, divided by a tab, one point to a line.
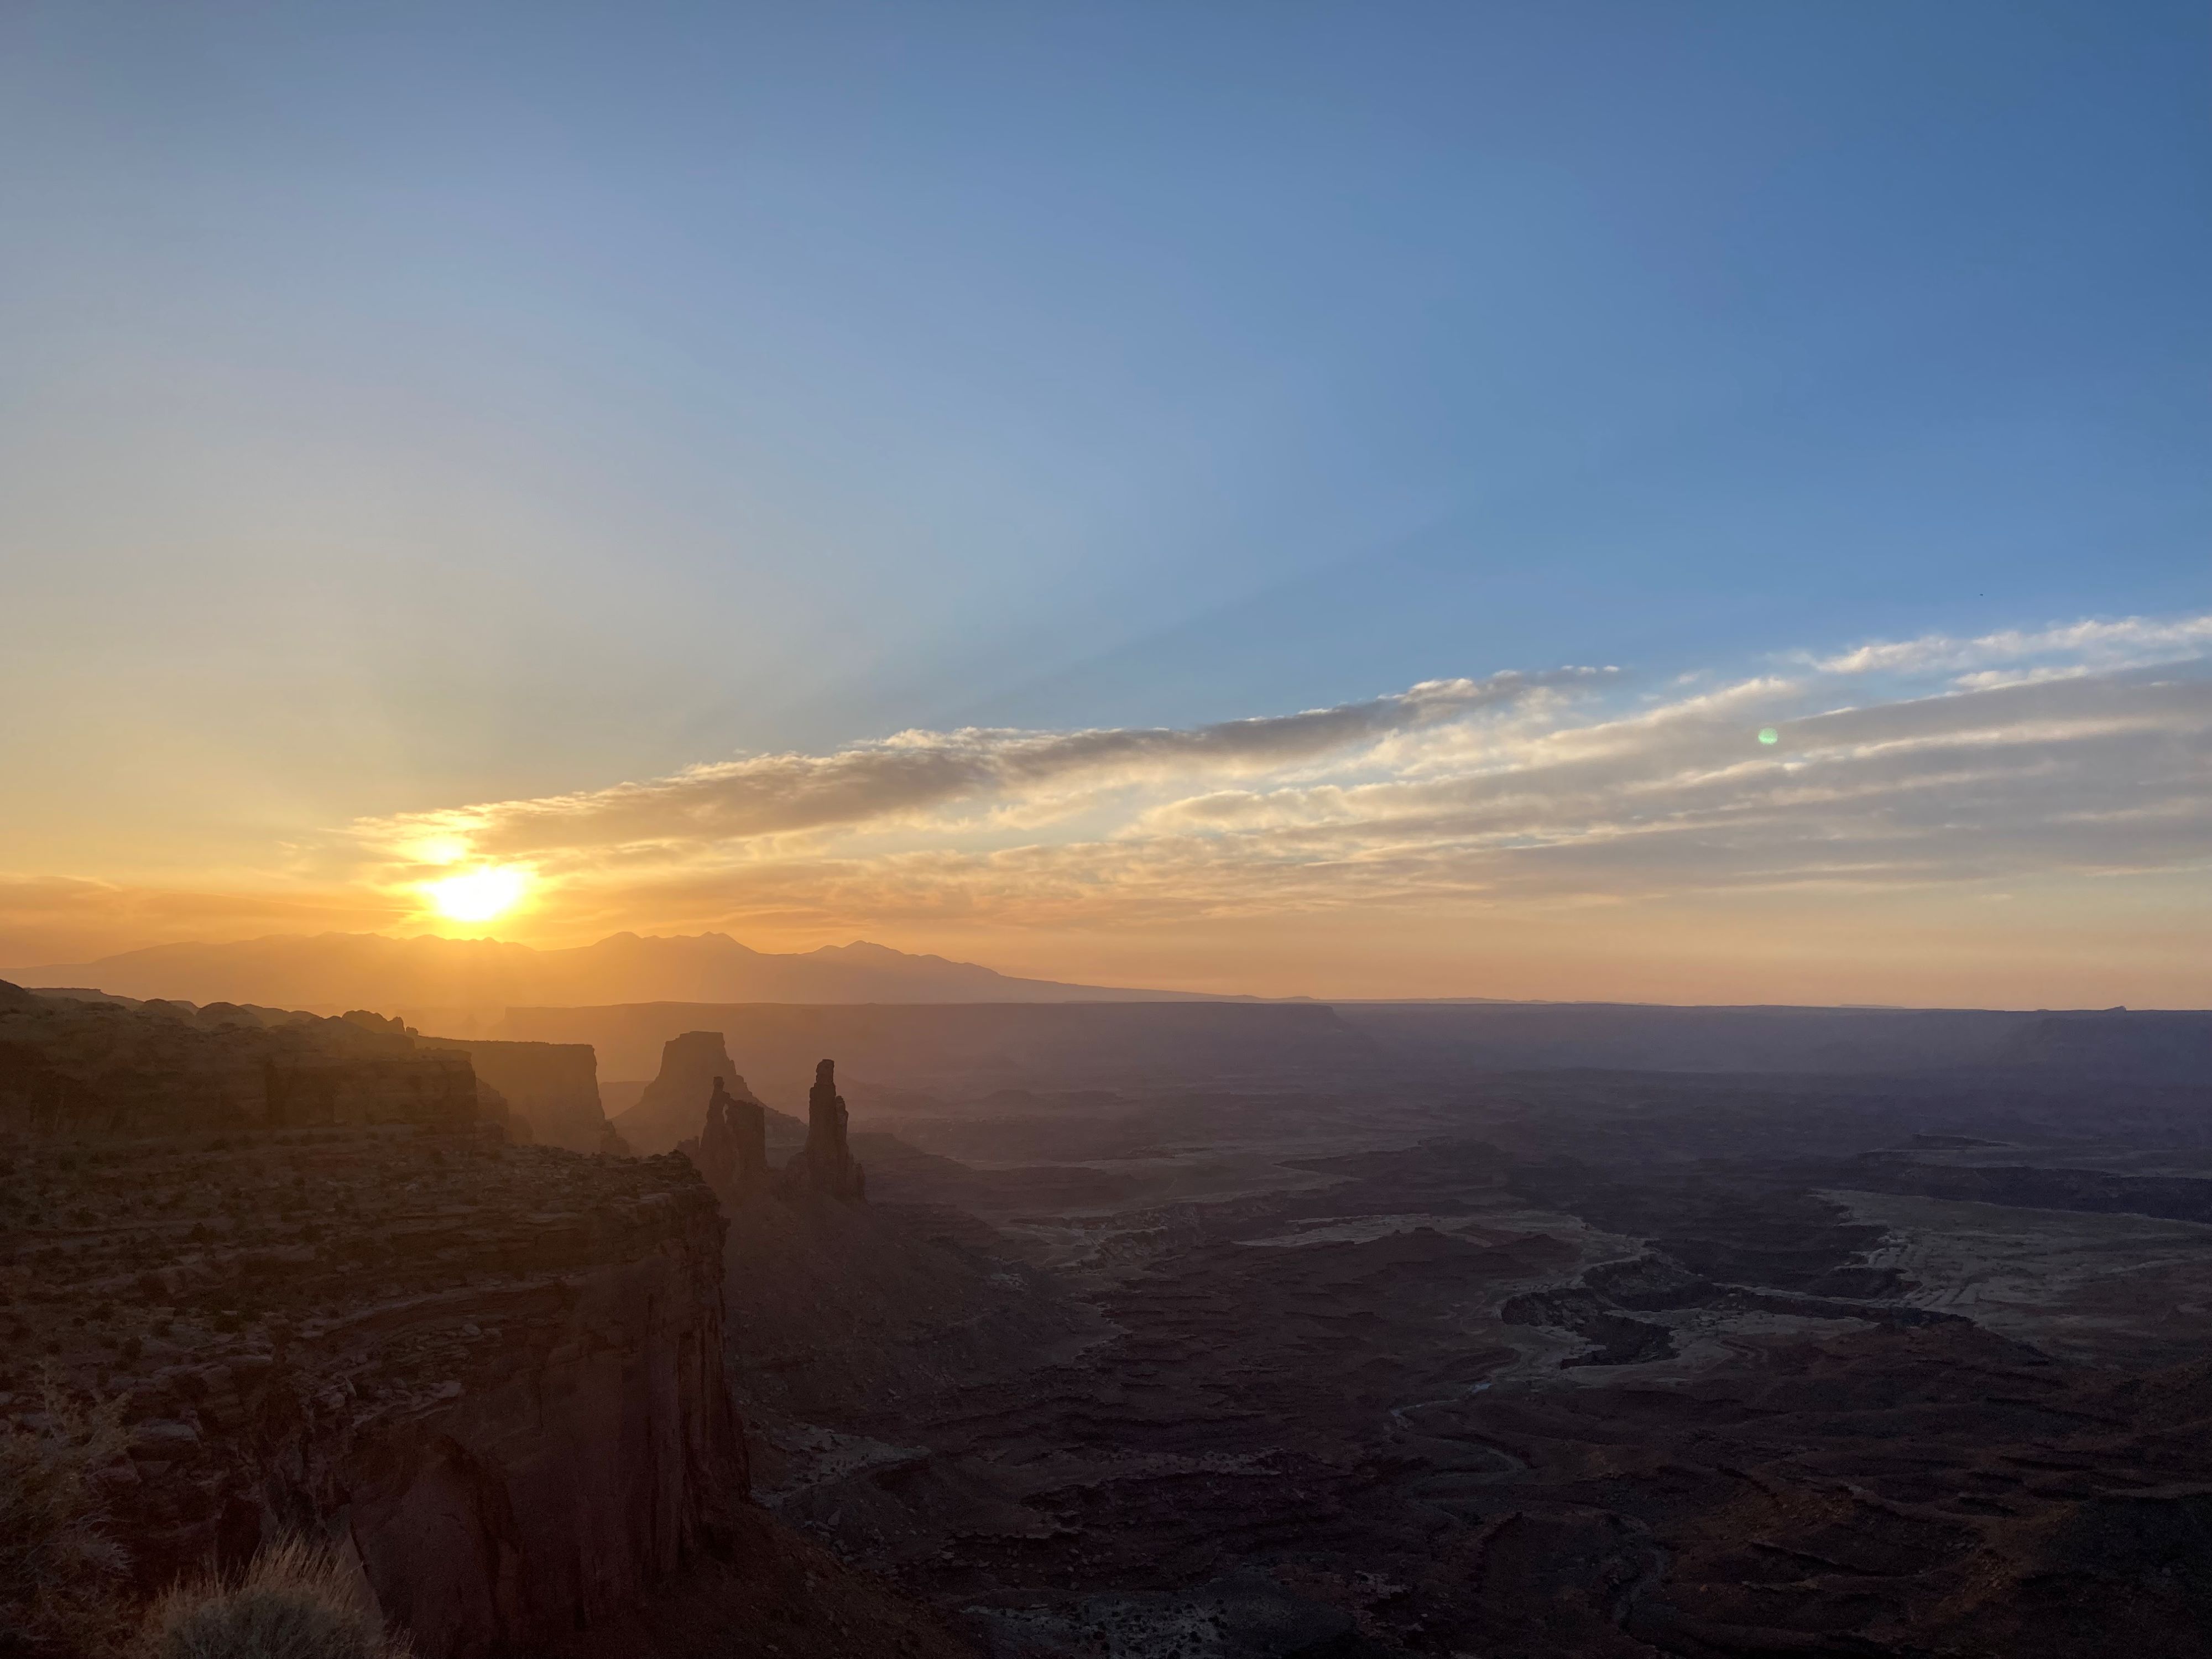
409	406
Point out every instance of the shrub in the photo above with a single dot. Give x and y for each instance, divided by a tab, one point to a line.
296	1601
61	1577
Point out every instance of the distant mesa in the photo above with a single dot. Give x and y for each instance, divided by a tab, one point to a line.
693	1067
696	1069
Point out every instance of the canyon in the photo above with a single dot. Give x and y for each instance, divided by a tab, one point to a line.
1515	1362
330	1295
1219	1331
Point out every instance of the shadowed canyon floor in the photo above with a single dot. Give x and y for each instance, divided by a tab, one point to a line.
1553	1363
1357	1356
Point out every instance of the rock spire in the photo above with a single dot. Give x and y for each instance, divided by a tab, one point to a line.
825	1165
733	1149
718	1143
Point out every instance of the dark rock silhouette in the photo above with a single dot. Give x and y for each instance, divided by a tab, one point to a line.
553	1088
824	1165
731	1149
667	1113
748	1122
69	1066
718	1146
490	1373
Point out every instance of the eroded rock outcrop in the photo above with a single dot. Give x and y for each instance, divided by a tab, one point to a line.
70	1067
718	1147
748	1122
667	1113
731	1149
494	1373
824	1166
552	1087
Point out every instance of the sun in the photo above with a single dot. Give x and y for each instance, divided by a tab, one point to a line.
479	895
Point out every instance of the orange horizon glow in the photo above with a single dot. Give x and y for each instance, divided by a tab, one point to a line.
1932	822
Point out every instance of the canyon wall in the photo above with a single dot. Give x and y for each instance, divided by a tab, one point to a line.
969	1050
582	1460
75	1067
492	1375
553	1087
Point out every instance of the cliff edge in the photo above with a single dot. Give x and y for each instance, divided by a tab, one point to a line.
491	1375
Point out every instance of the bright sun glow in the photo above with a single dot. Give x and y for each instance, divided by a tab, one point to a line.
440	849
479	896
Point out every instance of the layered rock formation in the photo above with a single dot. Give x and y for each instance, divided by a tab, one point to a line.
717	1147
75	1067
825	1166
748	1122
968	1051
668	1111
731	1149
492	1374
552	1087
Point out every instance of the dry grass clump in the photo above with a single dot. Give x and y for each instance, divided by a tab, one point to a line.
296	1601
60	1575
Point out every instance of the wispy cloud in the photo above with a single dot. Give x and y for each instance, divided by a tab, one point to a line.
2131	641
2070	750
2065	771
906	779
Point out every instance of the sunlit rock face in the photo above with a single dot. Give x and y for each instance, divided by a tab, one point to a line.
824	1166
493	1373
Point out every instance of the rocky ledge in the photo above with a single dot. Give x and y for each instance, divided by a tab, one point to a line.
493	1374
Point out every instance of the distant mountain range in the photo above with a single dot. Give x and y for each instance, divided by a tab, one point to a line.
329	973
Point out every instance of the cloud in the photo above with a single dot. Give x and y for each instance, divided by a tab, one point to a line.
2057	754
2130	642
904	778
2024	815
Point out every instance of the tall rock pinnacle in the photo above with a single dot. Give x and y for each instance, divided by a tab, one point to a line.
825	1165
718	1143
748	1122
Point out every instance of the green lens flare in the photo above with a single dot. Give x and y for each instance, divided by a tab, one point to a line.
1768	734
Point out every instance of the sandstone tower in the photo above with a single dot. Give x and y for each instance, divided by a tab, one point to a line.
825	1165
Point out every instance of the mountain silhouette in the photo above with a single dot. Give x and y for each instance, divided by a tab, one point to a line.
332	972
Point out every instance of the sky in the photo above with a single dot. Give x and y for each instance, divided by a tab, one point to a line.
1295	498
